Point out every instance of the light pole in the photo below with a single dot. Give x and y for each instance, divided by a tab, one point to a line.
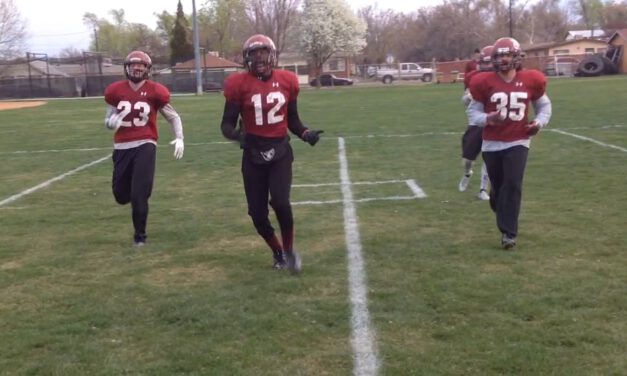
511	20
196	50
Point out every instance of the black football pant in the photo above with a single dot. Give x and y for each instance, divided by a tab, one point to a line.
270	180
506	169
133	177
471	142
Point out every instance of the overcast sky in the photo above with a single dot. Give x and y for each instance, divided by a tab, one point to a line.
50	32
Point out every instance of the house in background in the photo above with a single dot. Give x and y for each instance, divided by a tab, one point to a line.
182	76
208	61
561	58
619	41
34	69
341	65
295	62
568	47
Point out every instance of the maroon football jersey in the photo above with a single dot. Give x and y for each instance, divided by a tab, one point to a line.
512	99
263	103
468	76
470	66
140	108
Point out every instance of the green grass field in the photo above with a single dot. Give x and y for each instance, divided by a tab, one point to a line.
201	298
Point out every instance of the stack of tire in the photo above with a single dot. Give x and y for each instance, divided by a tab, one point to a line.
596	65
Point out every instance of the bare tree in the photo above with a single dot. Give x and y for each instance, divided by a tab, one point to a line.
221	23
614	16
545	21
589	12
382	32
273	18
12	30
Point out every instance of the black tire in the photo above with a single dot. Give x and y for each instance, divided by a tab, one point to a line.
608	66
428	77
388	79
591	66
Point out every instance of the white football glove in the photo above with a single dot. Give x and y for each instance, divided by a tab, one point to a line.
179	147
114	121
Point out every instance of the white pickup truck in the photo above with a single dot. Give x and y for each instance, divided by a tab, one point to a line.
405	71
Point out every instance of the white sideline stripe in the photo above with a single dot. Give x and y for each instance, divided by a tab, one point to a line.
589	139
366	360
50	181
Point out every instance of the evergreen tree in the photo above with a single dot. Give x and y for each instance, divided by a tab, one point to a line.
181	41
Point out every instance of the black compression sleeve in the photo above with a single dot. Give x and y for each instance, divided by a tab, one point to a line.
293	120
229	121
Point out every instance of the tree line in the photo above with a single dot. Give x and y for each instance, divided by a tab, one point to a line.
319	28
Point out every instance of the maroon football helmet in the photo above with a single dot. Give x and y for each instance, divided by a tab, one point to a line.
258	64
135	74
506	47
485	59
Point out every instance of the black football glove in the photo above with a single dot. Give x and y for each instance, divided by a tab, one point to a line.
533	128
311	136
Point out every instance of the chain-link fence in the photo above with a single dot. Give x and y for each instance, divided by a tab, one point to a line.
40	77
89	75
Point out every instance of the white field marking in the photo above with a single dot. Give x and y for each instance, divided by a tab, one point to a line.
589	139
404	135
52	151
589	128
105	148
231	142
363	341
353	183
50	181
413	186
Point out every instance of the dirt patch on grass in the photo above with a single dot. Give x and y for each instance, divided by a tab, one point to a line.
15	105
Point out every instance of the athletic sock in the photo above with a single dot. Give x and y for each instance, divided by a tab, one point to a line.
274	244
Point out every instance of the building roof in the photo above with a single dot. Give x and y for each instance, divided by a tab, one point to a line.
580	34
622	33
209	61
546	46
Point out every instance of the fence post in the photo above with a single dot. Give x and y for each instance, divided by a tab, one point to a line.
30	79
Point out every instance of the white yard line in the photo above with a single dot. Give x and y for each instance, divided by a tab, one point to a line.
589	139
363	339
50	181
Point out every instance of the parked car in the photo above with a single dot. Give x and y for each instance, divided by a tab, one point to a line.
331	80
404	71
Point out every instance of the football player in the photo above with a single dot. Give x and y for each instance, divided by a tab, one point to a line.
471	65
500	103
132	107
266	100
471	140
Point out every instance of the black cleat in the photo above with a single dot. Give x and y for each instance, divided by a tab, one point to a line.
279	260
508	242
